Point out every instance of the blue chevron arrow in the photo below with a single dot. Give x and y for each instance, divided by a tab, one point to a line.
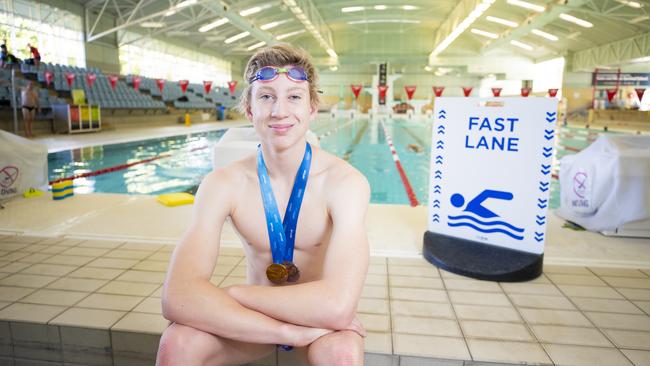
438	172
545	172
436	206
437	176
547	149
539	239
550	114
549	119
543	189
440	132
540	222
541	200
436	201
547	155
548	131
436	220
545	166
545	184
442	116
548	137
540	217
437	186
442	111
541	206
436	191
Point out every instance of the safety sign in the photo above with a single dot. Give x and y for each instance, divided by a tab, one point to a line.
491	170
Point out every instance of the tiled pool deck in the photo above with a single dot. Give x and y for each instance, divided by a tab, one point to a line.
68	301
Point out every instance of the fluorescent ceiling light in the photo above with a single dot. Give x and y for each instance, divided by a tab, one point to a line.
523	45
170	12
274	24
427	68
543	34
332	53
639	19
484	33
253	10
380	7
460	28
527	5
287	35
256	45
631	4
352	9
506	22
216	23
574	20
185	4
152	24
237	37
373	21
409	7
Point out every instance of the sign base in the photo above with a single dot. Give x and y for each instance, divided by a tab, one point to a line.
481	261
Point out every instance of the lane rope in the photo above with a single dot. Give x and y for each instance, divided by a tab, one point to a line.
405	181
121	166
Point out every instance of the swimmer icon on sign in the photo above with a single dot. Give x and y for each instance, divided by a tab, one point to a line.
477	213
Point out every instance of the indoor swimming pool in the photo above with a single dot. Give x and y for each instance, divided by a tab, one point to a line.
178	163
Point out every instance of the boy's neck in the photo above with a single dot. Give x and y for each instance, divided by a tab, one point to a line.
283	164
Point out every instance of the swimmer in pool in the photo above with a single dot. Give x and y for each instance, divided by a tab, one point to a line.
300	214
415	148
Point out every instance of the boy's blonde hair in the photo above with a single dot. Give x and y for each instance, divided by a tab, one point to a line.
280	54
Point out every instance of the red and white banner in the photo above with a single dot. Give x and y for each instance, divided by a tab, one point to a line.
437	90
207	86
552	92
232	85
113	80
496	92
183	84
69	77
136	82
467	91
161	84
90	79
611	93
525	92
49	76
356	89
639	93
410	90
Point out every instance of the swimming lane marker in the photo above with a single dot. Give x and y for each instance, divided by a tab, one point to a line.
490	174
405	181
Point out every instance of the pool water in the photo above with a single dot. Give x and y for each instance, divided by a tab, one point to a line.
180	162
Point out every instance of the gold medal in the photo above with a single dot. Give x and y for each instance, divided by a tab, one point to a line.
277	273
293	274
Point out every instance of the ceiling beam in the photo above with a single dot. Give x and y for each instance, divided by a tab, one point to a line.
238	21
534	22
612	54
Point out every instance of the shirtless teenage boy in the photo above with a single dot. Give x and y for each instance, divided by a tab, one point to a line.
316	313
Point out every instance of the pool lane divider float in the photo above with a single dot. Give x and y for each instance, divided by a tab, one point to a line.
121	166
63	187
490	173
335	129
405	181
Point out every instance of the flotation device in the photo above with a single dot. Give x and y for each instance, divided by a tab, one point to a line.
61	190
175	199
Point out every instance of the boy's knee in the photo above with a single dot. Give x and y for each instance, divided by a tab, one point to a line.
343	348
180	342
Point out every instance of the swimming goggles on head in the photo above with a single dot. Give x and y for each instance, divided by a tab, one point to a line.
269	73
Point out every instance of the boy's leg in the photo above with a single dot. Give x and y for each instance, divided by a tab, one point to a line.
183	345
342	348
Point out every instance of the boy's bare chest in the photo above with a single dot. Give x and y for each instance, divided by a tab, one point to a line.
312	229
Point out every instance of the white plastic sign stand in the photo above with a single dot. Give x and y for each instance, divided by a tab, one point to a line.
489	186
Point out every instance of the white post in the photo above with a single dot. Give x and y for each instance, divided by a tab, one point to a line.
13	98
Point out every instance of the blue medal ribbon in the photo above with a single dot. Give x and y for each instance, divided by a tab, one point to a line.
282	236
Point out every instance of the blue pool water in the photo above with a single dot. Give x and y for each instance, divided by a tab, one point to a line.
183	160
